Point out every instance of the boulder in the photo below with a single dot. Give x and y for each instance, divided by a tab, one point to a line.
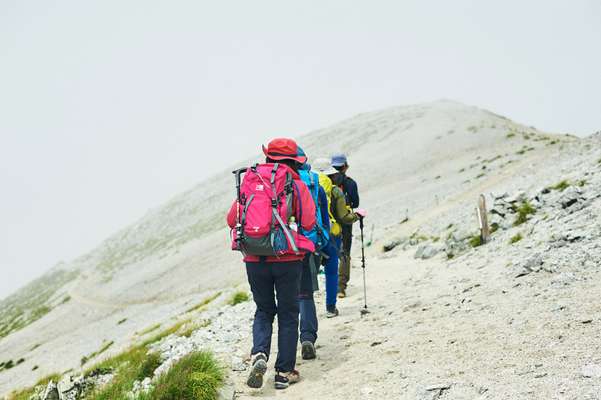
426	251
51	392
517	197
393	243
570	196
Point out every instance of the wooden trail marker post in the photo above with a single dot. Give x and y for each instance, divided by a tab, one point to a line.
483	219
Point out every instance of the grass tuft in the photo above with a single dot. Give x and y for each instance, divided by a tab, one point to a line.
523	211
104	348
203	303
148	366
163	334
561	185
476	241
238	297
197	376
516	238
149	329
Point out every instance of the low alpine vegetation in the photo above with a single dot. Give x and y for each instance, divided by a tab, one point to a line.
129	366
238	297
476	241
149	329
25	394
516	238
197	376
169	331
560	186
523	211
104	348
203	303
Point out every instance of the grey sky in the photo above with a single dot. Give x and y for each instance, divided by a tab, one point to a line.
108	108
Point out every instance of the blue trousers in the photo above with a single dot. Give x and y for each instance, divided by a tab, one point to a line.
308	313
270	282
331	270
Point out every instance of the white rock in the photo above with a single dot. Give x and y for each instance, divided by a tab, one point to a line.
591	371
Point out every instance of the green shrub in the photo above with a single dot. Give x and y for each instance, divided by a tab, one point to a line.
523	211
238	297
494	227
195	377
516	238
510	135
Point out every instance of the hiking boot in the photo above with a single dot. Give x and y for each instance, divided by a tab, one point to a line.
258	369
285	379
331	312
341	294
308	350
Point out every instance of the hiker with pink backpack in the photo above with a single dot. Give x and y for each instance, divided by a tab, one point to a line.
272	206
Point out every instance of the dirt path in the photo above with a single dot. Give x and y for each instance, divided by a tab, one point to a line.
466	330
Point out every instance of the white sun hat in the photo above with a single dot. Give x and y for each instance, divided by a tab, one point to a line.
324	166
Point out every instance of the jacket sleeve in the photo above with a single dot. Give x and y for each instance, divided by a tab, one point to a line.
341	212
231	215
350	189
323	208
305	207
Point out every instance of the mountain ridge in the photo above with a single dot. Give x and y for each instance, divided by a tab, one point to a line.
405	158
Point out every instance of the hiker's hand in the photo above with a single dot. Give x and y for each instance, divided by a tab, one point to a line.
361	212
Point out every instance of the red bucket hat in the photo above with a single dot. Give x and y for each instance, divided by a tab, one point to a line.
283	148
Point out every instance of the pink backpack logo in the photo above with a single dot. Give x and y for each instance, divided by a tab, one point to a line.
264	207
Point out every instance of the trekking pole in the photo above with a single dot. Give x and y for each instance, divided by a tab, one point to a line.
237	173
364	310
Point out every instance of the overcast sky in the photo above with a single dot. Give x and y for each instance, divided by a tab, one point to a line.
109	108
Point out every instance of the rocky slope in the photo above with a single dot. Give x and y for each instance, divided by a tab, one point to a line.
428	162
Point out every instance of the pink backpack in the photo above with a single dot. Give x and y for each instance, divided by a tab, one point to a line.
264	207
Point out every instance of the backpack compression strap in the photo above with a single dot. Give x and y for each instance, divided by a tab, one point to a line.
276	214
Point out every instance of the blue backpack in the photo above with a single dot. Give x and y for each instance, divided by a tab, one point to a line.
318	235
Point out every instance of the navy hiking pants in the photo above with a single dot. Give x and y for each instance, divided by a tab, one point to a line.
271	282
308	313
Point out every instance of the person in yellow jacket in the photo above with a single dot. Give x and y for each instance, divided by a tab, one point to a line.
340	215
